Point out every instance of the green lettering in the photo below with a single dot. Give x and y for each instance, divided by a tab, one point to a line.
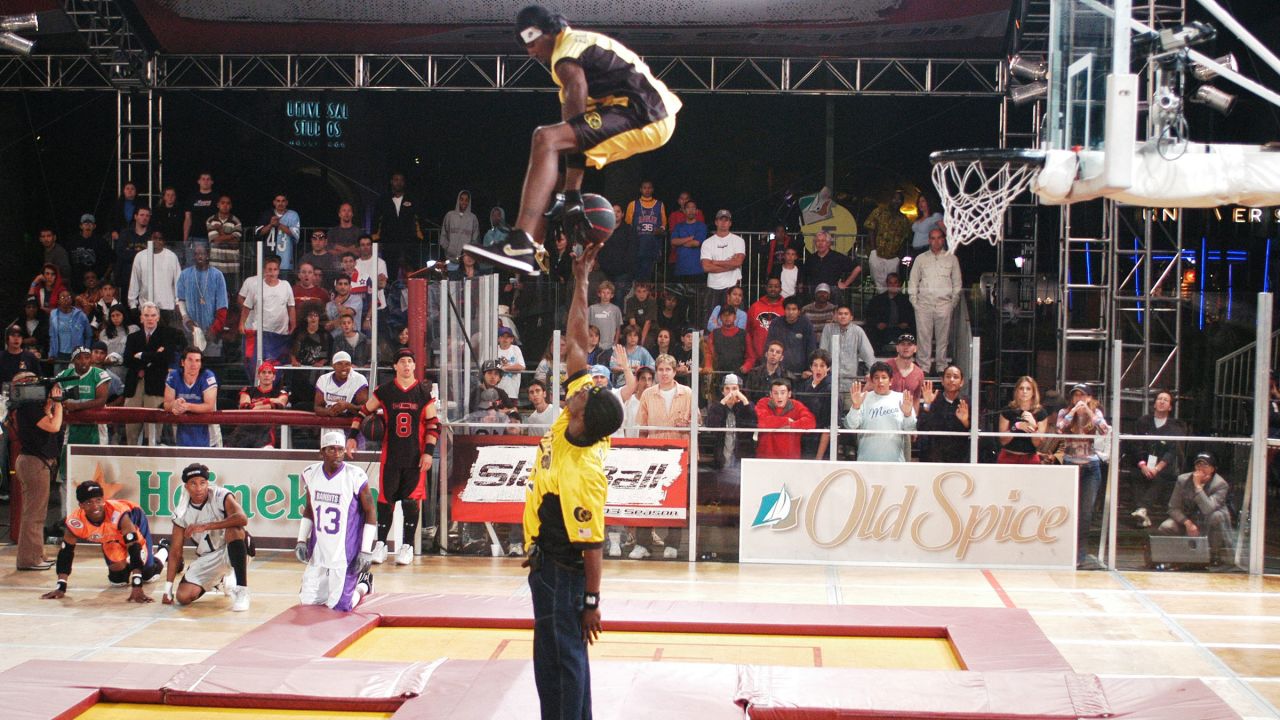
269	495
154	499
297	497
243	496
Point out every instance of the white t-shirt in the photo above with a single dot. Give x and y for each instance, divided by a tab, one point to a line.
510	382
370	274
790	281
275	305
723	248
213	510
346	392
335	507
538	423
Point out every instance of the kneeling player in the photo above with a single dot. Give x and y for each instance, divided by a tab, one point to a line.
122	530
211	517
337	551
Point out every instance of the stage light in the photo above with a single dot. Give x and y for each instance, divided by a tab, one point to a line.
1205	74
1028	69
1193	33
13	43
1023	94
17	23
1019	261
1214	98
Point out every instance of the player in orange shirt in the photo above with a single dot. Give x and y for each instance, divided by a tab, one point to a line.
122	530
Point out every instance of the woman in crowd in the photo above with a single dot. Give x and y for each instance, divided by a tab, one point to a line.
117	330
312	344
815	392
467	269
671	316
732	299
1156	462
927	219
1024	415
662	343
46	286
394	341
1083	418
944	411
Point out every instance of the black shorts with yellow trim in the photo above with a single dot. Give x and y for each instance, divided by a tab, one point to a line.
616	132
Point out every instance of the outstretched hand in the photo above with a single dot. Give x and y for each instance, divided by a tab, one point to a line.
908	404
927	393
584	263
962	412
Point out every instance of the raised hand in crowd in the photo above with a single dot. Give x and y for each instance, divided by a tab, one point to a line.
856	395
908	404
962	412
927	392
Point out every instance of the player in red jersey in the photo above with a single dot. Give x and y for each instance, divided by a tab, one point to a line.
412	429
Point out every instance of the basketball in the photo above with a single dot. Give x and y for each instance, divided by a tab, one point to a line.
374	427
600	218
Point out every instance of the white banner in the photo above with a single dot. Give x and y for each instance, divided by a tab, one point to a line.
267	483
908	514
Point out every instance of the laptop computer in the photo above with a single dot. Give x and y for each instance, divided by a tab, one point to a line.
1179	549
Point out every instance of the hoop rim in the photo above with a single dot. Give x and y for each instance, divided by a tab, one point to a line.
990	156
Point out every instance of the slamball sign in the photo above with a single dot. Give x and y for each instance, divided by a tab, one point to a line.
908	514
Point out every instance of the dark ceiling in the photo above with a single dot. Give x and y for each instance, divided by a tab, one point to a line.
894	28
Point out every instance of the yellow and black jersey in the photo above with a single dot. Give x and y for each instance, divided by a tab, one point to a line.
615	75
564	501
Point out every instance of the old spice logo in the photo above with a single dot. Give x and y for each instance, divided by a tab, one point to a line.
956	528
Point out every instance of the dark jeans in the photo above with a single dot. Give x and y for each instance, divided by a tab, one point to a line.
560	667
1090	481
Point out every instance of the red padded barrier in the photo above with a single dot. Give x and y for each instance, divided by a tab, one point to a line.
41	702
117	414
319	684
118	681
302	632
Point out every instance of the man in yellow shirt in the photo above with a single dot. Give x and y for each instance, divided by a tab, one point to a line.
564	522
611	107
888	231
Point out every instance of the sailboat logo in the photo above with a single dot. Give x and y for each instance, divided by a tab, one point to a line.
778	510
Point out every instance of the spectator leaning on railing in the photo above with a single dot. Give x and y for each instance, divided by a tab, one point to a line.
944	411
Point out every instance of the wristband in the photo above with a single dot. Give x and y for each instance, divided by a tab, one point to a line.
304	529
370	535
168	588
591	601
135	580
62	585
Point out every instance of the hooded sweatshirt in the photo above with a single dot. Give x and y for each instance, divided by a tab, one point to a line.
498	232
459	229
761	314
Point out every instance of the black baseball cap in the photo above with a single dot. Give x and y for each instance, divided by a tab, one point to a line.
88	490
405	352
1205	457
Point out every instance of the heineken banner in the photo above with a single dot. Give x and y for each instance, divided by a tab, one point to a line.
957	515
267	483
648	479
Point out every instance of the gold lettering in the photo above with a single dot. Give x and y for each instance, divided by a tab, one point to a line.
873	508
1056	516
1237	215
953	517
988	514
1015	530
891	523
855	513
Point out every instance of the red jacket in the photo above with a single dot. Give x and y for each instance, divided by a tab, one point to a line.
759	315
781	445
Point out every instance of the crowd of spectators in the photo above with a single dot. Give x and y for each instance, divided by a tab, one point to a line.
167	307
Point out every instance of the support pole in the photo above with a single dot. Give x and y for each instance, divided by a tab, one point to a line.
1110	515
835	397
829	177
694	377
975	377
1258	450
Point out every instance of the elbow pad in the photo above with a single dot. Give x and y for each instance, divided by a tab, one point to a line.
66	556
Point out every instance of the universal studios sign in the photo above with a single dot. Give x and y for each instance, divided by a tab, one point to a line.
908	514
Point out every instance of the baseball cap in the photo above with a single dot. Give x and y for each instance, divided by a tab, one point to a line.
12	330
822	287
267	365
724	214
405	352
732	379
88	217
905	338
88	490
77	351
341	356
488	398
195	470
1081	387
599	370
333	437
504	330
490	365
1206	457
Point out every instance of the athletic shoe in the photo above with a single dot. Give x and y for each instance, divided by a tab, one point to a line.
404	556
515	550
364	583
615	544
239	598
379	553
1143	518
518	252
639	552
670	553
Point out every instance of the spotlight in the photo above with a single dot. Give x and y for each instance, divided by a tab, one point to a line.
18	23
1028	69
1023	94
1205	74
13	43
1019	261
1214	98
1193	33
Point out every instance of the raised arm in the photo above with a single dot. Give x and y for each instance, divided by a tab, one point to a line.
576	335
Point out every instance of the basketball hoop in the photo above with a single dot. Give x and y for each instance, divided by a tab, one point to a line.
976	187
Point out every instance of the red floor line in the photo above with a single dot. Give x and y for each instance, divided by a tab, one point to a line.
497	652
995	585
817	656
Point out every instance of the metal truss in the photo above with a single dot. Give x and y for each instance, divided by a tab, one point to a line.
732	75
111	41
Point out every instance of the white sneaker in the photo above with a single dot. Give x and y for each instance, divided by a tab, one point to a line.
670	553
1141	514
404	556
379	553
639	552
239	598
615	545
515	550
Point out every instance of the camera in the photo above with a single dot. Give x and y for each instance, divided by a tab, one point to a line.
33	390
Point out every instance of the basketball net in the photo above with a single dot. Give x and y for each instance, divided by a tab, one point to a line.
975	195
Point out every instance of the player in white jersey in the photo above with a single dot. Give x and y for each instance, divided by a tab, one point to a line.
334	542
342	392
209	516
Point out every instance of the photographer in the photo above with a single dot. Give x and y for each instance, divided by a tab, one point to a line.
39	428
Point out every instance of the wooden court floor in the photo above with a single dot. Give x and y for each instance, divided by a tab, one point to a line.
1222	629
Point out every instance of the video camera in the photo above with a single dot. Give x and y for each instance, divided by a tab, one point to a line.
33	390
